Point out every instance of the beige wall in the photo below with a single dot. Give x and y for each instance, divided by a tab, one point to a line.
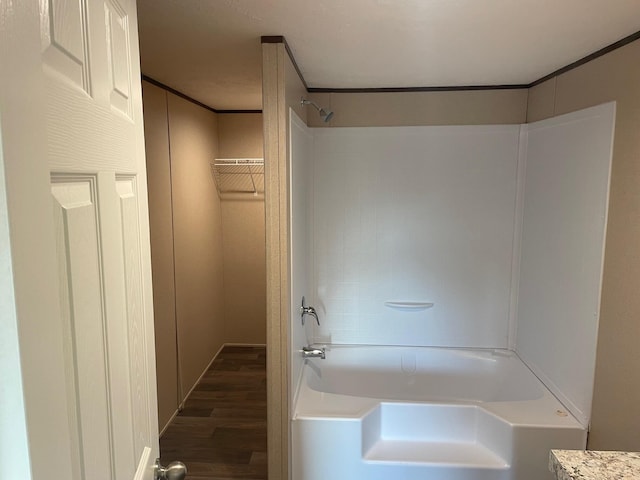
243	237
473	107
294	92
161	230
197	237
244	271
615	423
281	90
186	239
240	135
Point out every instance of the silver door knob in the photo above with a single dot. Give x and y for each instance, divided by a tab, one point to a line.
175	471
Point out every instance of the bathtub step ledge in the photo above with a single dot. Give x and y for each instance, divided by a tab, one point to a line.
464	455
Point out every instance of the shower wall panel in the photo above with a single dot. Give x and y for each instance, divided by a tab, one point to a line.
414	214
568	162
301	168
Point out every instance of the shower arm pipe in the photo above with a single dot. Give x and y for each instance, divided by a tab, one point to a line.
304	101
324	114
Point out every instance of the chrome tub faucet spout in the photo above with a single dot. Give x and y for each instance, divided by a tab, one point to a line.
311	352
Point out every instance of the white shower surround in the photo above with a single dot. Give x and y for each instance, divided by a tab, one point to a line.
449	215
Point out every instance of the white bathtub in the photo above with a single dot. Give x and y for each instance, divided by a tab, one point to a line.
418	413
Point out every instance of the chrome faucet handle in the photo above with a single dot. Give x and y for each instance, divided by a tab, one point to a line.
308	311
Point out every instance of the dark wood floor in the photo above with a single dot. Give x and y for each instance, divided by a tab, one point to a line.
221	434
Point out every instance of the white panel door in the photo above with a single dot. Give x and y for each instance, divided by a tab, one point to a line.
80	238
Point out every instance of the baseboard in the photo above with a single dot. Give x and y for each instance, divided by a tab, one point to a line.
181	406
186	397
175	414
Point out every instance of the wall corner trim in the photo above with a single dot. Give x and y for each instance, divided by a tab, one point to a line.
453	88
592	56
186	97
281	39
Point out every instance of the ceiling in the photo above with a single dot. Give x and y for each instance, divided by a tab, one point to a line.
210	49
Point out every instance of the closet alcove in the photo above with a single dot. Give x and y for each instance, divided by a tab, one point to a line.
207	237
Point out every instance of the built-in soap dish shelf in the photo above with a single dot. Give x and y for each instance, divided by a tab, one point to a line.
409	306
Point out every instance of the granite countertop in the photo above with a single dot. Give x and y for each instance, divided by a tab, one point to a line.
594	465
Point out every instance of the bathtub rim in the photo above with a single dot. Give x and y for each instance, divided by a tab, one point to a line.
544	412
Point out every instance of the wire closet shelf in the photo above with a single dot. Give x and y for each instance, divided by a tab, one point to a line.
239	175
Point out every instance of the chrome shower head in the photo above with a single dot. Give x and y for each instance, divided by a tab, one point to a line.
326	116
